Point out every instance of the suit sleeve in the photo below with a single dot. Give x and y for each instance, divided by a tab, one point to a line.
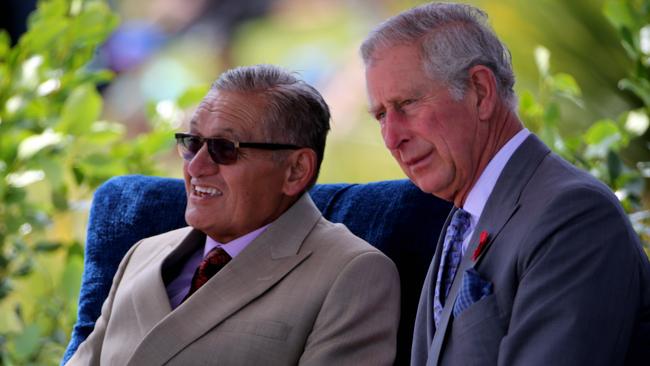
579	281
89	351
358	322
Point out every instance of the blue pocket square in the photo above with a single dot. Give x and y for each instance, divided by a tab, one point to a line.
473	289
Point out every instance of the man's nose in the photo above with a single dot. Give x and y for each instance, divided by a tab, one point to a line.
393	130
202	164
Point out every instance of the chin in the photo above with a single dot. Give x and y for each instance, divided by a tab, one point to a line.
432	186
193	218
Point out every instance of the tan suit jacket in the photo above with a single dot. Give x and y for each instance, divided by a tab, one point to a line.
305	292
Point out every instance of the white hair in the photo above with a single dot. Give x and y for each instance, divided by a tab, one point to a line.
452	38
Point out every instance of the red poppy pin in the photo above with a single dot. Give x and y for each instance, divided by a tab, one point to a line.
481	245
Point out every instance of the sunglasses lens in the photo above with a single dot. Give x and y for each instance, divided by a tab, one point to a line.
222	151
188	146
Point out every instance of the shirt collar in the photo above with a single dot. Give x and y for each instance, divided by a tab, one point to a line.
234	247
479	194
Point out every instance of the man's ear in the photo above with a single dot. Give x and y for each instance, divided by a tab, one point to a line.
483	82
300	171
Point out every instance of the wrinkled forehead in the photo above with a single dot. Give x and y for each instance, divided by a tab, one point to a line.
229	114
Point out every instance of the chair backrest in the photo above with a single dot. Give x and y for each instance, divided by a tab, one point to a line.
394	216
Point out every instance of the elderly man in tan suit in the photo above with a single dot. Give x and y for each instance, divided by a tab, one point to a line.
259	277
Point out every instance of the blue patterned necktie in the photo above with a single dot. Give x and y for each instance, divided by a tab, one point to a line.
452	252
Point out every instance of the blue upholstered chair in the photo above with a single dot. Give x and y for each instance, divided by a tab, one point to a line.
394	216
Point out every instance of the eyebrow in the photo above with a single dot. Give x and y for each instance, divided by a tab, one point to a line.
374	109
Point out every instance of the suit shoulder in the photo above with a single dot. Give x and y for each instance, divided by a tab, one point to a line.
336	242
153	246
169	236
338	236
564	203
557	180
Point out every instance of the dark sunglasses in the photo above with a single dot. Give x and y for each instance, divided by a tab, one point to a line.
222	151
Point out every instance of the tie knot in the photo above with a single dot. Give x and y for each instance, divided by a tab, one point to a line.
213	262
217	256
459	223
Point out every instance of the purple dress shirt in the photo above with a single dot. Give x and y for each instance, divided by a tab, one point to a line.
178	287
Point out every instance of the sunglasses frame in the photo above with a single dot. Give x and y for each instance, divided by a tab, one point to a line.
214	154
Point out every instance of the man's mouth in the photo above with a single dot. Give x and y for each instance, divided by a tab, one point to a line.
201	191
416	160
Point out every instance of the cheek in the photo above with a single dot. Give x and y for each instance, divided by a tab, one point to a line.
186	177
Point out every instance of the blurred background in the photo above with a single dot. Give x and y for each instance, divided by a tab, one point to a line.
91	89
163	47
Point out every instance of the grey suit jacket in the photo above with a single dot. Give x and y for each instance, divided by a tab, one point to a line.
571	284
306	291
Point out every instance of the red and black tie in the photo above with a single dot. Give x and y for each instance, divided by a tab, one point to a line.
216	259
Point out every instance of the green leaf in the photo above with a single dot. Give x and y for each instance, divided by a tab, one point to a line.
5	287
27	342
600	131
24	268
602	137
94	24
71	278
619	13
614	166
5	81
76	249
566	84
552	114
53	169
529	106
155	142
99	77
104	133
80	111
5	44
47	246
78	174
629	43
44	33
59	197
14	195
98	166
34	144
640	87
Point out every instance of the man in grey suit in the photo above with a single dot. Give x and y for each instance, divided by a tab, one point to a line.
537	263
259	277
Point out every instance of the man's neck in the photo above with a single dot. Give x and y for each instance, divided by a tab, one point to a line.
502	127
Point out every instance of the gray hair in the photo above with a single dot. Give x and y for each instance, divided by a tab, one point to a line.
295	112
453	38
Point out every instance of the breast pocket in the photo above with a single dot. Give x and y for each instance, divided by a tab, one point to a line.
476	334
241	342
262	328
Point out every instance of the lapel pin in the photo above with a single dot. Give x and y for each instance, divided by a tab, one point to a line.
481	245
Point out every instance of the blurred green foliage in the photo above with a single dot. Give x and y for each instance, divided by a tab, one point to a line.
54	150
601	149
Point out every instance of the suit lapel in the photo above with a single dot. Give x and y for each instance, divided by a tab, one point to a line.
502	204
432	275
268	259
149	294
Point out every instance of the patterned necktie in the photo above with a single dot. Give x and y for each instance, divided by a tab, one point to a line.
216	259
449	260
